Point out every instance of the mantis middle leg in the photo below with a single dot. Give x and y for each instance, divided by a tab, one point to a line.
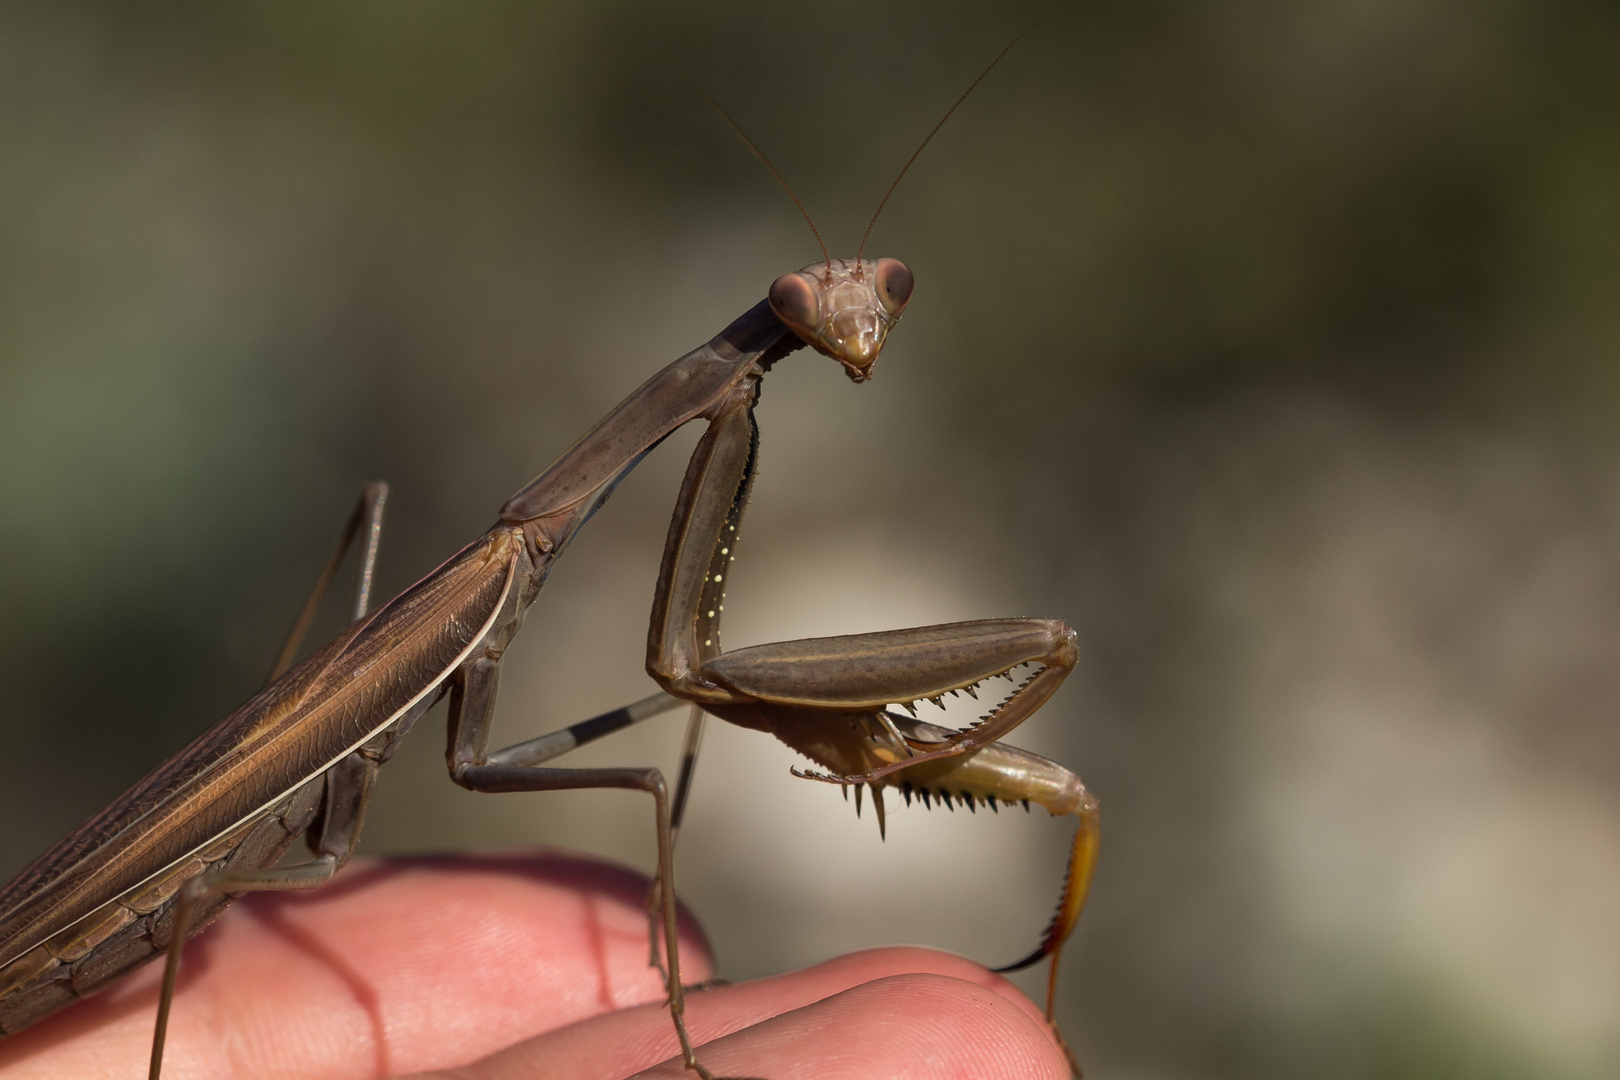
517	768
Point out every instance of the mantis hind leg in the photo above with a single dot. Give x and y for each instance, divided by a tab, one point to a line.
344	795
303	876
347	785
517	768
365	523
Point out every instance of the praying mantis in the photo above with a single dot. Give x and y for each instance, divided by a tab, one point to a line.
301	757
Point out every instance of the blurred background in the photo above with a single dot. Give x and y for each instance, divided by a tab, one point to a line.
1272	345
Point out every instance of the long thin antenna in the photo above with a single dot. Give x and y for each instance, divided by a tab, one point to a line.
741	134
885	201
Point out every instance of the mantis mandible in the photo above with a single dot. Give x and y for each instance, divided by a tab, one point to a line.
301	757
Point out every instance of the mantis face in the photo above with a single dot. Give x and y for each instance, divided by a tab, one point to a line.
844	309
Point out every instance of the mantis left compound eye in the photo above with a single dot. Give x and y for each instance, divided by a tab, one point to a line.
894	285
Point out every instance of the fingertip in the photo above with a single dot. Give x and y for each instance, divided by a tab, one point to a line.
917	980
871	964
915	1026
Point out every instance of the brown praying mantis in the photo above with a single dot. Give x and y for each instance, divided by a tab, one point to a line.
301	757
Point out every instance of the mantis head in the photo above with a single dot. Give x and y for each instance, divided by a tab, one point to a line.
844	309
841	308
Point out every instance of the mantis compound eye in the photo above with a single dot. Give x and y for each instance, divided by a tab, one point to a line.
794	302
894	284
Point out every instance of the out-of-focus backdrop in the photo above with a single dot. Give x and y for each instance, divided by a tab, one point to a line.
1273	345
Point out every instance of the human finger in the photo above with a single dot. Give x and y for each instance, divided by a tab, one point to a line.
399	965
613	1045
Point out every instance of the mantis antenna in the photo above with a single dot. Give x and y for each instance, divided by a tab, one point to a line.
741	134
885	200
826	258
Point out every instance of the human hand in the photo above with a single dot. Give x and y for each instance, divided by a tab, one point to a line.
529	967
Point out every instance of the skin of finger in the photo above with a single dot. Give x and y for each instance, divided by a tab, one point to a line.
614	1045
906	1027
399	965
